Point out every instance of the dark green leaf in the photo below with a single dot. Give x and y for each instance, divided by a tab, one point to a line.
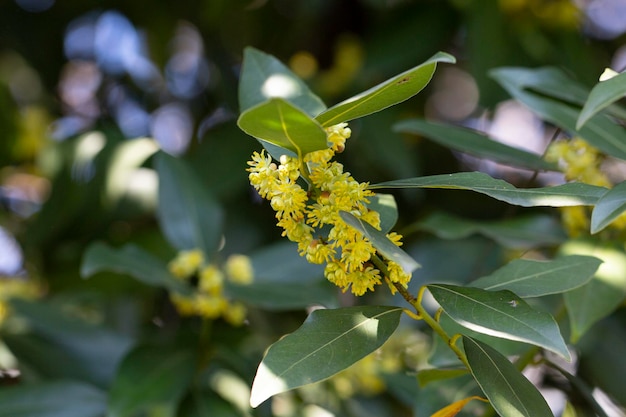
501	314
149	379
188	215
381	242
328	342
386	94
610	206
385	205
530	278
280	123
52	399
508	391
133	261
474	143
264	77
279	296
602	95
207	403
570	194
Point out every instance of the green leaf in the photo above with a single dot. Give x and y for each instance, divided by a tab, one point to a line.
328	342
206	403
530	278
188	215
600	131
501	314
602	95
264	77
474	143
381	242
149	379
426	376
52	399
522	232
386	94
133	261
610	206
570	194
385	205
280	296
508	391
280	123
603	294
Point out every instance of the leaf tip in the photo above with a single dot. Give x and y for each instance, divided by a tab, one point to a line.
265	385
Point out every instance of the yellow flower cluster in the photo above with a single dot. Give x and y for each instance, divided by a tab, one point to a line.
208	300
312	217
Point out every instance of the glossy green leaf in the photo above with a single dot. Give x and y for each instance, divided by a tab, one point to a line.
603	294
531	278
280	123
385	205
386	94
474	143
264	77
570	194
328	342
151	379
602	95
508	391
52	399
609	207
501	314
600	131
381	242
524	232
133	261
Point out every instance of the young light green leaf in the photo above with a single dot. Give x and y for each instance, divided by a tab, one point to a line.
602	95
133	261
280	123
264	77
530	278
609	207
381	242
501	314
570	194
326	343
474	143
188	214
149	379
386	94
508	391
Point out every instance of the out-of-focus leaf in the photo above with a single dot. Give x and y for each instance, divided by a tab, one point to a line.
279	296
609	207
133	261
454	408
264	77
279	263
474	143
602	95
149	379
438	394
393	91
52	399
530	278
207	403
328	342
500	313
426	376
188	215
280	123
508	391
570	194
381	242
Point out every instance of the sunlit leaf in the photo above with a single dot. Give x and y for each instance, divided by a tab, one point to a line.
570	194
393	91
500	313
609	207
531	278
188	214
381	242
280	123
602	95
264	77
508	391
326	343
474	143
456	407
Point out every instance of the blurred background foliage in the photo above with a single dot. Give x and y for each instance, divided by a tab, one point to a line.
82	84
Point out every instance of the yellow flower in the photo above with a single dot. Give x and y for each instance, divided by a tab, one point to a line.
210	306
186	263
235	314
318	252
239	269
210	280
